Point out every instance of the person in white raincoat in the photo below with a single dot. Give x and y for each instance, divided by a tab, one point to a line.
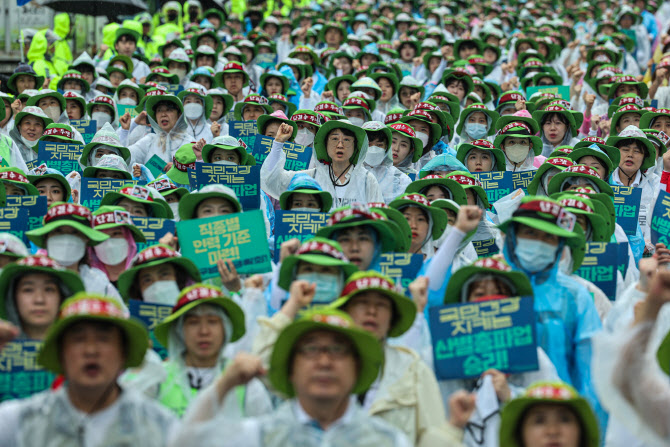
197	109
29	126
54	106
166	116
341	148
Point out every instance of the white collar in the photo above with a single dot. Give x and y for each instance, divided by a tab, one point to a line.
636	182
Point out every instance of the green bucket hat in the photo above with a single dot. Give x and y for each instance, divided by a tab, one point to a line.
62	214
304	184
151	257
438	217
85	306
615	81
368	349
593	210
252	99
628	98
194	296
620	112
367	82
154	100
518	127
207	101
358	103
108	217
478	107
52	174
163	71
404	309
608	155
46	93
445	119
188	207
558	393
183	160
469	181
103	100
211	33
286	83
16	177
583	171
484	145
649	117
106	136
538	115
36	264
232	67
319	251
461	74
228	143
361	215
422	115
37	113
11	82
76	76
408	131
394	216
660	141
441	96
320	145
264	120
61	132
560	163
454	188
391	77
138	194
180	56
228	99
632	132
457	289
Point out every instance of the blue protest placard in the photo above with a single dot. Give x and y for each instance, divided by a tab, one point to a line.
15	220
497	184
244	130
297	156
600	266
238	237
244	180
174	89
93	190
660	220
33	164
20	374
296	225
61	156
627	207
153	228
402	268
266	60
486	247
151	314
469	338
561	90
156	165
522	180
35	208
87	128
623	257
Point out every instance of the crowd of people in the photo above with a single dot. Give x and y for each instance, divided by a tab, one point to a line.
404	107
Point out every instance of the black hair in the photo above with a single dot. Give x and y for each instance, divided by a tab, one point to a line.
372	136
315	196
634	141
518	433
453	81
551	115
124	37
467	45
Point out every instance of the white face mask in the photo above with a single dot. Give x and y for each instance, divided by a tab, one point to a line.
27	142
423	137
225	162
516	152
180	72
305	210
174	206
533	255
304	137
193	110
66	249
127	102
328	287
162	292
375	155
101	118
52	112
357	121
113	251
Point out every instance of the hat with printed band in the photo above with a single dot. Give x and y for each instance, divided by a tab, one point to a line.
230	68
103	100
321	145
289	107
478	107
319	251
34	100
452	186
615	81
438	217
36	264
61	132
443	118
228	143
330	109
165	187
621	111
356	102
395	216
194	296
659	139
584	171
394	115
544	214
62	214
108	217
557	393
632	132
404	309
37	113
509	99
422	115
587	143
76	76
304	184
593	210
452	102
361	215
183	160
609	159
138	194
228	99
152	90
408	131
628	98
85	306
469	181
538	115
80	100
483	145
207	101
16	177
253	99
646	121
367	348
486	266
306	116
560	163
518	127
187	208
151	257
48	173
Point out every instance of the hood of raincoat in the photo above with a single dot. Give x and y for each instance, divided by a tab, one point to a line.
38	47
442	163
177	132
62	24
535	278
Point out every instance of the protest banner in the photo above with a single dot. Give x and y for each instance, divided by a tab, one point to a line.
470	338
623	257
486	247
244	180
93	190
660	220
296	225
498	184
245	131
266	60
561	90
156	165
15	220
151	314
122	109
153	228
600	266
20	374
402	268
31	216
239	237
297	156
63	157
627	207
174	89
87	128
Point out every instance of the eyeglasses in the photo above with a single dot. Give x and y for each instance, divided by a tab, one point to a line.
336	351
346	141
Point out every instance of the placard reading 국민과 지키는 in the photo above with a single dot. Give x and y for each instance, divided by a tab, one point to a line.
20	374
93	189
151	314
470	338
301	225
239	237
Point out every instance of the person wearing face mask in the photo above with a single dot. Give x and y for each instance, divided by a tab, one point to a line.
138	201
516	137
179	64
226	150
308	123
115	255
357	110
73	81
379	160
109	166
29	126
102	109
566	317
33	289
128	93
104	142
428	130
170	192
65	234
197	109
557	127
406	147
476	123
481	156
427	223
